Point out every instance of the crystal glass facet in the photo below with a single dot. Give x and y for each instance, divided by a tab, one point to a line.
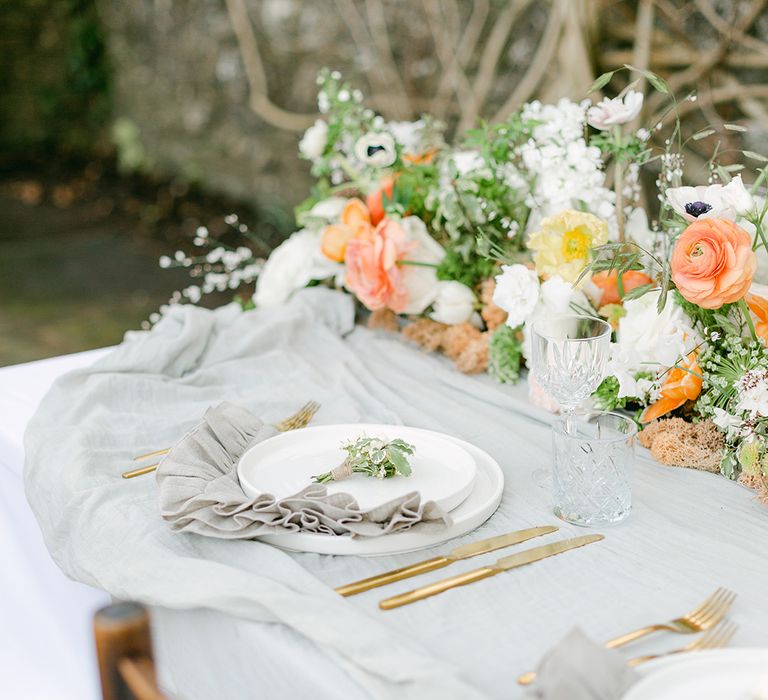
593	456
569	355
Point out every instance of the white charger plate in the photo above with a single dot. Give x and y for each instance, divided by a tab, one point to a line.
719	674
481	503
443	471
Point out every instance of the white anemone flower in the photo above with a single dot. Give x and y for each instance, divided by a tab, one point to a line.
711	201
612	112
376	149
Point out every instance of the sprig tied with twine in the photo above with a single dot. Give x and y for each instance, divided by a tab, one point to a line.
372	457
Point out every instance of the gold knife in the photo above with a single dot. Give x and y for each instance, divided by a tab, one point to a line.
464	552
527	557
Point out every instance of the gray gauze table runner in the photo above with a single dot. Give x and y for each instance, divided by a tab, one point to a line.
199	491
267	619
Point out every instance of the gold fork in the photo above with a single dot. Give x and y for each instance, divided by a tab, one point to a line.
700	619
300	419
714	638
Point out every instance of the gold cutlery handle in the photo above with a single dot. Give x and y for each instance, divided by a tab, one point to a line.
632	636
139	472
438	587
391	576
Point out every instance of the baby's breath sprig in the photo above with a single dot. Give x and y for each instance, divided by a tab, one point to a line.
372	457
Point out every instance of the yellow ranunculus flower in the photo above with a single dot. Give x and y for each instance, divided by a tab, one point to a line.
563	243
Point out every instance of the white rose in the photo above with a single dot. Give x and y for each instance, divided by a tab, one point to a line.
329	210
517	292
291	266
555	297
315	138
407	134
608	113
421	282
455	303
648	340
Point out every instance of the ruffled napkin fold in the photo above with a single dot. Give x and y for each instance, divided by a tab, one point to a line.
579	669
200	491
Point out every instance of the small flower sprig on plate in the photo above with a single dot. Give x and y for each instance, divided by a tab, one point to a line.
372	457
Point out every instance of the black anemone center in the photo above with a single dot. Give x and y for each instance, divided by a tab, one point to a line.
373	150
696	209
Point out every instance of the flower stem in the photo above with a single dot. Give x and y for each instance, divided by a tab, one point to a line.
416	263
748	315
618	184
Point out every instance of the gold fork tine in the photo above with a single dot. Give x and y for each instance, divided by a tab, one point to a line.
714	638
300	419
700	619
717	609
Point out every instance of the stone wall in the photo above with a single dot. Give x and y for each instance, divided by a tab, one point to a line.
182	87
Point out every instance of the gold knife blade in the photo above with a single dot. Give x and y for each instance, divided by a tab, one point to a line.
465	551
512	562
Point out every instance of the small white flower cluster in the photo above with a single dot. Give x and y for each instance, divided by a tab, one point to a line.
565	172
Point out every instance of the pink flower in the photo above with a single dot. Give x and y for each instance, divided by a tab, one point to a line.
540	398
608	113
373	273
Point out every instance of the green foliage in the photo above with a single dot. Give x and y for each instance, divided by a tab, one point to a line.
470	270
505	355
374	457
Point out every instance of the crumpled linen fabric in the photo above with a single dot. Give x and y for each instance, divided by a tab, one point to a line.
107	532
200	492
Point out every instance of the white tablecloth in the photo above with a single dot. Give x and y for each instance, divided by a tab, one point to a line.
689	533
46	647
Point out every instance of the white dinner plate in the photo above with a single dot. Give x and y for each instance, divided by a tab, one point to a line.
443	471
723	674
481	503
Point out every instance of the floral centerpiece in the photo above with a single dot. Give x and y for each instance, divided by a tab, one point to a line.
461	247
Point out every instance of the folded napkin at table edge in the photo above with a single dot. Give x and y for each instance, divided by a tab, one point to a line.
579	669
200	492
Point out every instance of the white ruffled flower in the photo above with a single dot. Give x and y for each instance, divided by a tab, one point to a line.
315	139
376	149
455	303
647	340
328	210
517	293
291	266
711	201
612	112
421	282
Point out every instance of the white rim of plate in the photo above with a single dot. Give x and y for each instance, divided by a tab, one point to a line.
488	486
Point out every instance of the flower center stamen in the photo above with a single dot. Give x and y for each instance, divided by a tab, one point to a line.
576	244
696	209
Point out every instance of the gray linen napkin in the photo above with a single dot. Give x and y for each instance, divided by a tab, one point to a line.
200	491
579	669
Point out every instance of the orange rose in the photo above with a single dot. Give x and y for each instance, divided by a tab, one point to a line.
682	383
373	274
713	263
355	222
609	283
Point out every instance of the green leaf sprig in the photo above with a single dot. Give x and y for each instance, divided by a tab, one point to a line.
372	457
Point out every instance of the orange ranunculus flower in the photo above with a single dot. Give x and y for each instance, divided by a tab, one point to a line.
373	273
609	283
713	263
759	306
424	157
683	383
375	200
355	222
